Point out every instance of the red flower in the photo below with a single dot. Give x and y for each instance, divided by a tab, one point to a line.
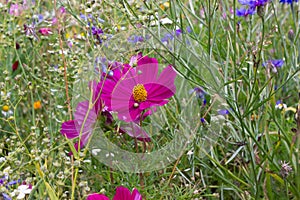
15	66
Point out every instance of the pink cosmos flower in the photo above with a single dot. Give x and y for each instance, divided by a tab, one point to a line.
122	193
72	128
114	72
45	31
135	92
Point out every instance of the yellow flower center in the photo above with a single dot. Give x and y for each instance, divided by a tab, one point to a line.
5	108
139	93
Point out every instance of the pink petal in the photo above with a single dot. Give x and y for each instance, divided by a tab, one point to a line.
96	196
147	60
81	112
122	193
70	129
147	73
167	78
136	195
145	105
127	112
107	89
157	91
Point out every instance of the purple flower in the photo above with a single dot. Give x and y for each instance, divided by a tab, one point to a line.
62	10
135	39
168	37
30	30
280	105
82	16
273	64
223	112
288	1
15	10
200	93
253	3
6	197
13	182
40	18
202	120
188	29
243	12
96	31
178	32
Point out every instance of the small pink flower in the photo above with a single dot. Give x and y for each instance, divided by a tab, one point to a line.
62	10
45	31
15	10
54	20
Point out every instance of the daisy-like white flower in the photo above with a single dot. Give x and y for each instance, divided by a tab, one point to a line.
21	191
6	111
81	127
136	91
280	105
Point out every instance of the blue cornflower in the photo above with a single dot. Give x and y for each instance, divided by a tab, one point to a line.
243	12
6	197
12	183
40	18
167	37
170	36
178	32
135	39
253	3
223	112
200	93
274	63
202	120
82	16
188	29
288	1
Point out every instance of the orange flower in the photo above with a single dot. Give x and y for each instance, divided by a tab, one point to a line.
37	105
